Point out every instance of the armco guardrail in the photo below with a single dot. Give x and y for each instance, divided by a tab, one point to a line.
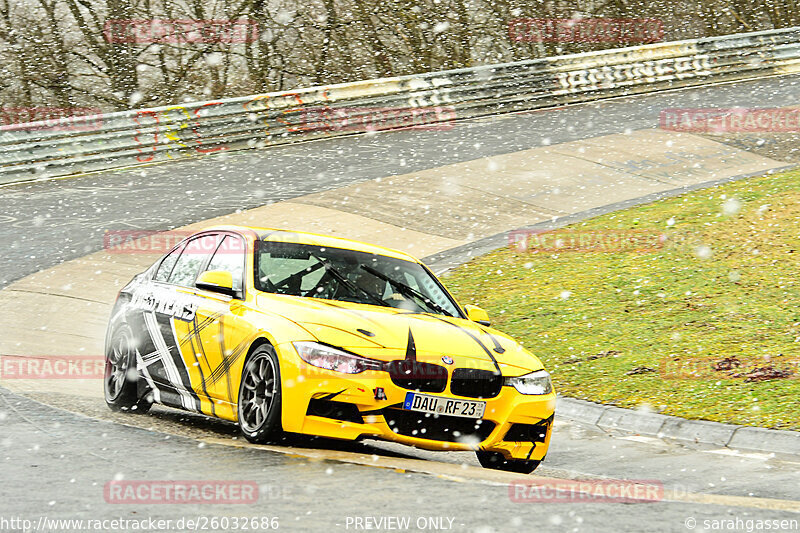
34	150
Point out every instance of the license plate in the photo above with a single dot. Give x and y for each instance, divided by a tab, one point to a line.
438	405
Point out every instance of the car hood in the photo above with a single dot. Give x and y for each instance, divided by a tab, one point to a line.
385	333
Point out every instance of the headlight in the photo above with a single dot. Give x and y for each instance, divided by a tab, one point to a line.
533	383
330	358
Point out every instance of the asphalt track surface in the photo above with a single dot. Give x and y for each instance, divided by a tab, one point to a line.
56	463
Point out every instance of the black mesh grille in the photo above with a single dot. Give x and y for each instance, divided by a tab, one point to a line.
437	427
423	377
475	383
528	432
346	412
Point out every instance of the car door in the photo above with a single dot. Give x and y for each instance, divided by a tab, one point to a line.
218	335
169	304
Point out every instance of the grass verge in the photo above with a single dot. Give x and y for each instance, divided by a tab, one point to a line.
687	306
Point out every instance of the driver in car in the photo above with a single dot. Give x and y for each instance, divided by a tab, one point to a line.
376	286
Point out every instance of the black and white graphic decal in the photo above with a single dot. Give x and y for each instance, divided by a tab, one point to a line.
161	332
165	302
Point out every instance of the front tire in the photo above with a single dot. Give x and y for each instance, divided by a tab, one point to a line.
259	405
120	382
496	461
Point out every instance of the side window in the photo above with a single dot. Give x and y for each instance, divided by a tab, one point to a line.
164	269
192	258
230	257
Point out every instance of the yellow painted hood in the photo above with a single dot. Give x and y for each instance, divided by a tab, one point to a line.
383	333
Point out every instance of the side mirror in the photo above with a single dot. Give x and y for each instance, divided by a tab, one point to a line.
216	281
476	314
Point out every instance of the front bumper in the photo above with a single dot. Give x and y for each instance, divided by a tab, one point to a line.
331	404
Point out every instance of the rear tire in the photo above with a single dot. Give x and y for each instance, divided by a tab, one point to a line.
496	461
259	405
121	379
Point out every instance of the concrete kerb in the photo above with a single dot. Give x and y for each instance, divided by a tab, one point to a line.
608	417
643	422
766	440
580	410
698	431
611	418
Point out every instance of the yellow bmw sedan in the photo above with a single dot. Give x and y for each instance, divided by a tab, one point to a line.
294	332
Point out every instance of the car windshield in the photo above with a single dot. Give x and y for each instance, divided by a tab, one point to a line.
350	276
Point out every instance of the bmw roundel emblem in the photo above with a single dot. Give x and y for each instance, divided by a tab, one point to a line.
446	359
